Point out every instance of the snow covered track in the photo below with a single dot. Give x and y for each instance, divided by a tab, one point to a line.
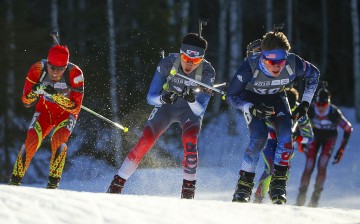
38	205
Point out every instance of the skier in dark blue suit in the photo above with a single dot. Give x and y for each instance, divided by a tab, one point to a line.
257	89
175	100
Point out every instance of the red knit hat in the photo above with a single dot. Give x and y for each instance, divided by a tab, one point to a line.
58	56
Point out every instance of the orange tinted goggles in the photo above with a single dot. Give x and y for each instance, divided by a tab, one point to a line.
188	59
324	104
275	62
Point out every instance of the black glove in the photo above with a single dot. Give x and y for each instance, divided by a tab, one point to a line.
262	111
301	110
188	95
168	98
338	156
49	90
37	88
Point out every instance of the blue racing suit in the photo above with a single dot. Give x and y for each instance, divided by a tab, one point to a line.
252	86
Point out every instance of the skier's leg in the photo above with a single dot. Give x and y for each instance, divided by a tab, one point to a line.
258	137
190	125
37	131
283	153
309	168
268	156
59	148
322	168
159	120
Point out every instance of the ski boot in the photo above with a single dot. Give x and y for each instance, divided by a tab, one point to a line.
53	182
15	180
116	186
277	189
188	189
314	202
244	187
301	197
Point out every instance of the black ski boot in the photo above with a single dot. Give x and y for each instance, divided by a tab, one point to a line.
314	202
53	182
116	186
301	197
277	188
244	187
188	189
15	180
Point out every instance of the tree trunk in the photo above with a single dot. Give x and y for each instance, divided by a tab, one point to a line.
113	83
185	9
236	53
10	89
324	51
289	19
356	50
221	50
269	15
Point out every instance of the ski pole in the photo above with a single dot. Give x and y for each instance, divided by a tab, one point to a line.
125	129
173	72
293	128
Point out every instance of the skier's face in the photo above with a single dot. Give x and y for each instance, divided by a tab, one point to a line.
189	64
55	72
322	107
274	67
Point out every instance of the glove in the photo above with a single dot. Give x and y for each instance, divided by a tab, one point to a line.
168	98
49	90
261	111
188	95
38	88
338	156
298	138
302	148
301	110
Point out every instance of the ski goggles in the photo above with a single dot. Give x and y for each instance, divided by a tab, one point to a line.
193	60
322	104
275	62
274	57
57	68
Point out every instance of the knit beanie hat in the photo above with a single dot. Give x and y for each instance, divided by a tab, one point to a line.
58	56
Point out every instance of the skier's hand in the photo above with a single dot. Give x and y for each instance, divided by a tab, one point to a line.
298	138
188	94
168	98
338	156
301	110
38	88
302	148
261	111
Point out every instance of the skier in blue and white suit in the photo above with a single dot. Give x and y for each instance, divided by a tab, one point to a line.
257	89
175	100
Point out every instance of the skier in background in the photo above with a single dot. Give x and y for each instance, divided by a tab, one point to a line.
175	100
258	90
56	86
325	118
302	135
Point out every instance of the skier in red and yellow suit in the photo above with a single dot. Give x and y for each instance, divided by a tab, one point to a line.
56	86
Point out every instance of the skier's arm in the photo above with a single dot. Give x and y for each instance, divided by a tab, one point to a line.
29	97
237	85
202	98
346	126
156	87
311	74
